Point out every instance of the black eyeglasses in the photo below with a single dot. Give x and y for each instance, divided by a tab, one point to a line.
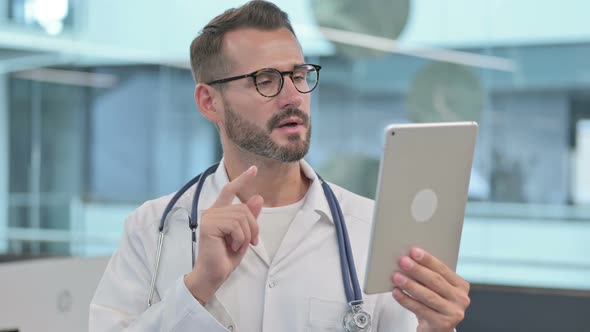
269	81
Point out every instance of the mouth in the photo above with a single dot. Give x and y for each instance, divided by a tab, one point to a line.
290	123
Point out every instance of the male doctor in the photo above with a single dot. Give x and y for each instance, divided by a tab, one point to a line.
267	257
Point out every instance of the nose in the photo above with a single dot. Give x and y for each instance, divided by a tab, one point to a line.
289	97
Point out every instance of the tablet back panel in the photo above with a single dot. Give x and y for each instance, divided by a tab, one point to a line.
421	196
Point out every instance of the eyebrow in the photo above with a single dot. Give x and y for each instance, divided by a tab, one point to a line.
292	67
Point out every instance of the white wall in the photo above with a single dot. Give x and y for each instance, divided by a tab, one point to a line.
161	31
143	31
497	22
169	26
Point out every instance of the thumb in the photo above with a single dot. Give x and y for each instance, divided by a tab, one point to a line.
255	205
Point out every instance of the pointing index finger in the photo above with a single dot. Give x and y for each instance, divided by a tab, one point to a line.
231	189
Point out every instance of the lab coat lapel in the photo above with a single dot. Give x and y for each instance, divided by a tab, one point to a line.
300	228
260	251
314	210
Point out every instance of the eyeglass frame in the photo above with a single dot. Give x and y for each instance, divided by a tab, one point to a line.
283	73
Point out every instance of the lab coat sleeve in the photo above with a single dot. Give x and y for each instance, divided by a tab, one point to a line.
120	301
390	316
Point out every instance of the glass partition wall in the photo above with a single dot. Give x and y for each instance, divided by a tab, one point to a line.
98	116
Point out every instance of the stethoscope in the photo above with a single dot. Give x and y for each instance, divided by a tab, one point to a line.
356	319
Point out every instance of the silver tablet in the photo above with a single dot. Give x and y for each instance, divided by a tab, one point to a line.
421	196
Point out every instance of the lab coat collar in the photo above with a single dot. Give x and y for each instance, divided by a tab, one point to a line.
315	199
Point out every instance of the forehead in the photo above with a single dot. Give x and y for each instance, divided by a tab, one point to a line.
250	49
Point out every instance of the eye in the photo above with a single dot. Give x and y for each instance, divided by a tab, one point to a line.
264	83
265	79
299	76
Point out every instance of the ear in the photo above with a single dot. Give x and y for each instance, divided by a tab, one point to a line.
208	101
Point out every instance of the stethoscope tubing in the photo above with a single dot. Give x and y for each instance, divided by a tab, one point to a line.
346	258
349	276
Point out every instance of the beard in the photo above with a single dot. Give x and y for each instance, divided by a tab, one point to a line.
252	138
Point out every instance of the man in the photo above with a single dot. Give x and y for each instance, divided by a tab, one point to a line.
267	257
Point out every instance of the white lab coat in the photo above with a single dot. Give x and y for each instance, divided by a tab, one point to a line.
300	290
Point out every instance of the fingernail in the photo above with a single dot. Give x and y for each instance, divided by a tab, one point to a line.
251	170
406	263
417	253
235	245
399	279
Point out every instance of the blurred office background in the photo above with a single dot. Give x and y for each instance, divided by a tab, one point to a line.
97	116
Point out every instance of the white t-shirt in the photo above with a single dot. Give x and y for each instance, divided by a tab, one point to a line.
274	223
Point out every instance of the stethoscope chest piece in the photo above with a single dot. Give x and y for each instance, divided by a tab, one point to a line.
357	320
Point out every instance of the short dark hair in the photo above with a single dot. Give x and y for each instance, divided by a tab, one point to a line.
207	62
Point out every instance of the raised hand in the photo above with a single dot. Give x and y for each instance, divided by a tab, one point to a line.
226	231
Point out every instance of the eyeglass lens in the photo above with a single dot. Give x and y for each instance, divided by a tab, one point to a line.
269	82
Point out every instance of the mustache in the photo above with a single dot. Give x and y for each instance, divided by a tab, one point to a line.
292	112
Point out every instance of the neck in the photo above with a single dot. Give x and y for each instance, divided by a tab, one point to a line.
278	183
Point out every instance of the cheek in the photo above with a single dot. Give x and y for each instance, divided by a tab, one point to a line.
258	116
306	104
